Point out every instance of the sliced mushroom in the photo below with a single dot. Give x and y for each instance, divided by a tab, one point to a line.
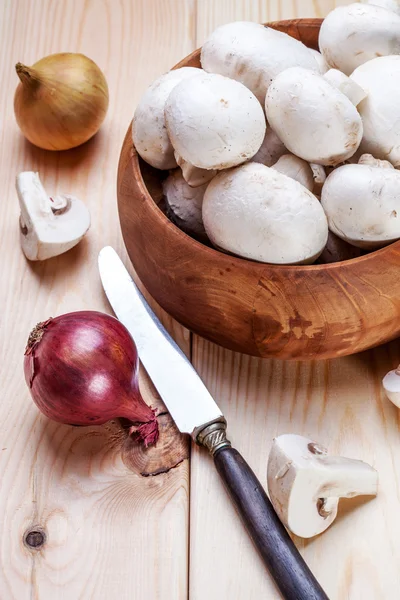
214	122
258	213
149	132
313	118
296	168
271	149
194	176
362	204
184	204
380	111
354	34
253	54
305	483
354	92
48	226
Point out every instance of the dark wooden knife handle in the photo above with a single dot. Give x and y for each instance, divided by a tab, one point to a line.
280	555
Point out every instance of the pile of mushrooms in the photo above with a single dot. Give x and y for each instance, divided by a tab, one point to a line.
279	153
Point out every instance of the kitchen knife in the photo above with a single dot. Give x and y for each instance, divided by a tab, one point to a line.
196	413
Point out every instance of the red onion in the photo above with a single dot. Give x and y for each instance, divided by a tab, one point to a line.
82	369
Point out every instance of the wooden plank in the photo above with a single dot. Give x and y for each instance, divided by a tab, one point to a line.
110	531
339	403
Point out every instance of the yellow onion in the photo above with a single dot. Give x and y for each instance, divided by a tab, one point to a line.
61	101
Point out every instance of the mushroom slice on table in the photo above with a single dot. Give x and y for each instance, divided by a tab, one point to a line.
253	54
149	132
362	204
184	204
312	117
380	111
354	34
305	483
48	226
258	213
214	122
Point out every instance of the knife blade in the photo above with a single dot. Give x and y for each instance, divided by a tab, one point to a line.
195	412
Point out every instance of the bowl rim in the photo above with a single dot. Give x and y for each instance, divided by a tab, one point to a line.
212	252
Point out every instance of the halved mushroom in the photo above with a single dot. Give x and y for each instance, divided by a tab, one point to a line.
258	213
149	132
313	118
362	204
48	226
305	483
354	34
184	204
380	111
214	122
253	54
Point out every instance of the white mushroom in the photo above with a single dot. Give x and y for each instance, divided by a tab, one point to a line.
149	132
362	204
184	204
354	34
48	226
391	385
368	159
380	111
214	122
253	54
323	66
354	92
255	212
194	176
312	118
337	250
393	5
271	149
296	168
305	483
319	176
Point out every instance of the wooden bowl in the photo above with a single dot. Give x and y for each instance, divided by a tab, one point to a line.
302	312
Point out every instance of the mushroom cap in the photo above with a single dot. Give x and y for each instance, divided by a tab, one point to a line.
362	204
323	66
271	149
184	204
296	168
312	118
214	122
149	133
351	35
258	213
380	111
393	5
253	54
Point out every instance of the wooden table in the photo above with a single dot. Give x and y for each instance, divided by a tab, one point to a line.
112	533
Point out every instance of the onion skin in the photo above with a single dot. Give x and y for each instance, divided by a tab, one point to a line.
61	101
82	369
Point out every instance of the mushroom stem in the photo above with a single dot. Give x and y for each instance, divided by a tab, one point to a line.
354	92
194	176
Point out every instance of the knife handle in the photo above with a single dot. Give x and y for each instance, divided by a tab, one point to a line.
281	557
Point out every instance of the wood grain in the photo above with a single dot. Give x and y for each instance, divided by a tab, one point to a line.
111	533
